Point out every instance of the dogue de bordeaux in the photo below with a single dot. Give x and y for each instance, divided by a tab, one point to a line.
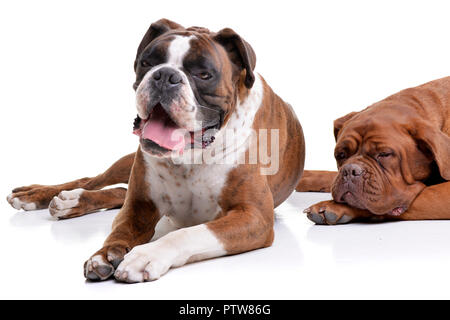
193	88
393	159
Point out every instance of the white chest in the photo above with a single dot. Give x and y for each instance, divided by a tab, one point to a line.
187	194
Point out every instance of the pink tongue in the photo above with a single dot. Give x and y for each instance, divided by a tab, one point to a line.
397	211
166	135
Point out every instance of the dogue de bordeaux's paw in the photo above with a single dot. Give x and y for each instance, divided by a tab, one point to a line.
101	265
68	204
33	197
332	213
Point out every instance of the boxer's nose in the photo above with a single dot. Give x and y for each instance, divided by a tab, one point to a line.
167	77
352	171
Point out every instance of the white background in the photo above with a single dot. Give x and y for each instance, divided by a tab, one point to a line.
67	108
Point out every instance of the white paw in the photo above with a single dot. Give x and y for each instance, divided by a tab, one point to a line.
64	202
16	203
146	262
96	268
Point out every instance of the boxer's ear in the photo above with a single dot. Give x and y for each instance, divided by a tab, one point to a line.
436	142
339	123
240	53
155	30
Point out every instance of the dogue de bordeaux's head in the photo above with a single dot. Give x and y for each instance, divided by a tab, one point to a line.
386	156
187	85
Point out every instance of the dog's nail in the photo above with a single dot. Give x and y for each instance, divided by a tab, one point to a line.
146	276
322	210
307	210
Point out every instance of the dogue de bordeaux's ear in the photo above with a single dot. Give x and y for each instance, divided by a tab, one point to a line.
240	53
437	142
339	123
155	30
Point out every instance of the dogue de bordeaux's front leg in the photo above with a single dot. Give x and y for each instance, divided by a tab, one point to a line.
433	203
246	224
332	213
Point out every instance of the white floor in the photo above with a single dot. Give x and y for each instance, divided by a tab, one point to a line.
43	258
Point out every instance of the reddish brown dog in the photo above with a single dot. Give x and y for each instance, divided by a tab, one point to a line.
202	84
393	160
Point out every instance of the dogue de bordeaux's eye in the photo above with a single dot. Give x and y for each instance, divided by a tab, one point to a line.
384	155
341	156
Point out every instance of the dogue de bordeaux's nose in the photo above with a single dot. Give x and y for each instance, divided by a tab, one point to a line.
352	171
167	77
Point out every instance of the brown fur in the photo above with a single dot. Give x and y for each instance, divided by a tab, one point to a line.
248	198
316	181
414	125
119	172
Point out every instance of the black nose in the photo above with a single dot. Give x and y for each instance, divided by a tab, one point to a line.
167	76
352	171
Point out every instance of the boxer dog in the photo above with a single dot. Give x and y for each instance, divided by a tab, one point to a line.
393	160
193	87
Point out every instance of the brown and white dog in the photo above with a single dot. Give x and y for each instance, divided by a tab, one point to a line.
393	160
193	87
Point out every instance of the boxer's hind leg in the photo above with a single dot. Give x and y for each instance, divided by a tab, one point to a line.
36	196
316	181
78	202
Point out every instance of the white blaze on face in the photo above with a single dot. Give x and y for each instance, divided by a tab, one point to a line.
176	53
178	49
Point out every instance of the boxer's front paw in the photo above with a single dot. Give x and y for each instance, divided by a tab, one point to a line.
146	262
101	265
331	213
67	204
32	197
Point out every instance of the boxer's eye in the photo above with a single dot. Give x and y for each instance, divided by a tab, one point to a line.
204	75
145	64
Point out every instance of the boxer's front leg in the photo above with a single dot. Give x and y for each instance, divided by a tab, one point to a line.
244	227
134	225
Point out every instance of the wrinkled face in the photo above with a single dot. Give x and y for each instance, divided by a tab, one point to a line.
380	167
184	90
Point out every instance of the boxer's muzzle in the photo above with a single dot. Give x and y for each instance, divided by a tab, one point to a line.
169	116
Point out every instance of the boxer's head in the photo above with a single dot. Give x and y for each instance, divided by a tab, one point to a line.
187	85
385	158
